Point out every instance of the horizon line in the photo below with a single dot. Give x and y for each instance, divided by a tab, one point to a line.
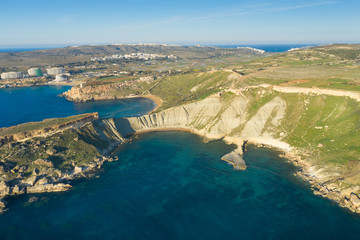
45	46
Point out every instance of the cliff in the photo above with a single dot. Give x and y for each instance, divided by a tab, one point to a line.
90	93
45	127
315	131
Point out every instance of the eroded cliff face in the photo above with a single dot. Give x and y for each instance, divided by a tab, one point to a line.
43	130
269	121
314	124
216	117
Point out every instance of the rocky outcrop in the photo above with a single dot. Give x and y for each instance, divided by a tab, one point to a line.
235	159
41	128
60	187
89	93
43	162
97	92
49	163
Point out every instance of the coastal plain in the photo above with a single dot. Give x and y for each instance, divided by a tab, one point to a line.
304	103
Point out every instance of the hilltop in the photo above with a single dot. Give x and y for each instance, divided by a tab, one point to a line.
76	54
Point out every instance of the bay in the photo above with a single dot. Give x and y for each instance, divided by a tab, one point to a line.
167	185
20	105
171	185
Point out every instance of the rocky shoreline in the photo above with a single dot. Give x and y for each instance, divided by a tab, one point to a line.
195	119
50	162
98	93
227	118
344	197
42	180
11	134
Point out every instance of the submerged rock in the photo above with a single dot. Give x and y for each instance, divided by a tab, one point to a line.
2	206
33	199
235	158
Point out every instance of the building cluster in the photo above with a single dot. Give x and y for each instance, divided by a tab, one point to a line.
253	49
141	56
58	72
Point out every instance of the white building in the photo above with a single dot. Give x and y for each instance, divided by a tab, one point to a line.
60	78
11	75
34	72
55	70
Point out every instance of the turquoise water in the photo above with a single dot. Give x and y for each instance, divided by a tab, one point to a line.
19	105
171	185
168	185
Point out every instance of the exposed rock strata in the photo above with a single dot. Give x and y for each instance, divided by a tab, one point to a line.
215	119
233	119
8	138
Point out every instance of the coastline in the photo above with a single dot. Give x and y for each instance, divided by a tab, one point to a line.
158	101
319	184
344	198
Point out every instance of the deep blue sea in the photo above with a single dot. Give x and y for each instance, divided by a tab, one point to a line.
20	49
266	47
270	47
19	105
171	185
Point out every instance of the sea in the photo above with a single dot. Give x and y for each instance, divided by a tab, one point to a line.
270	47
20	49
20	105
168	185
265	47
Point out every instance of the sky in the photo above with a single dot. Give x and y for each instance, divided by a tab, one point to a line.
208	22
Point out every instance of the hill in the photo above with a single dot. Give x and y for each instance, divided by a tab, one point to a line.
74	54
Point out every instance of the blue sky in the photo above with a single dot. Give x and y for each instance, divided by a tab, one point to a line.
40	23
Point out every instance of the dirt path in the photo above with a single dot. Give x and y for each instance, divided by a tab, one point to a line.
320	91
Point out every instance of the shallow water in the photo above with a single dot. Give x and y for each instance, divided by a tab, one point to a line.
20	105
171	185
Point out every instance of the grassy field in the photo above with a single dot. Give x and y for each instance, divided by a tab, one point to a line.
326	127
333	67
184	88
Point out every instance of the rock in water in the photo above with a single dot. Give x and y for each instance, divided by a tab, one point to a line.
235	158
33	199
2	206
